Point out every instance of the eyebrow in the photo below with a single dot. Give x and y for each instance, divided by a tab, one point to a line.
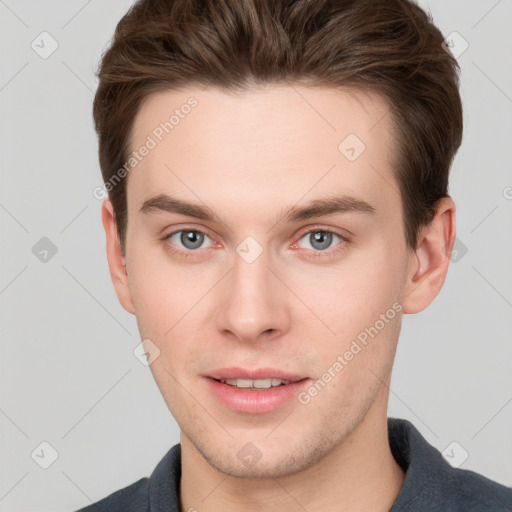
316	208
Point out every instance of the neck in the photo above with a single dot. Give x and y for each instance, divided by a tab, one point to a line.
359	474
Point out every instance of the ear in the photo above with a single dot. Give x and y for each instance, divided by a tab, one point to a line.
116	260
428	263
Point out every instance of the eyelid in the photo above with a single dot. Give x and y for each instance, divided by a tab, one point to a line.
201	230
324	229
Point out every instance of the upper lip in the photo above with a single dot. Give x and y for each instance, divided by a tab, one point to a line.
254	374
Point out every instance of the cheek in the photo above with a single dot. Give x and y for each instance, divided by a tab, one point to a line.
170	302
162	291
360	304
352	295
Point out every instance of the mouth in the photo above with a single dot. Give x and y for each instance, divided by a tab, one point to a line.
255	392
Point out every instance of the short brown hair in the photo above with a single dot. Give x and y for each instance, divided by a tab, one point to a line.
389	47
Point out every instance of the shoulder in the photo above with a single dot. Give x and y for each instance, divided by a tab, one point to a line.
133	498
157	493
473	492
432	484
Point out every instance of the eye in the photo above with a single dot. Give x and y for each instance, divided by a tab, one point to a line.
320	240
190	240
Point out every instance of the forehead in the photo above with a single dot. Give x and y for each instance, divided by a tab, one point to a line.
276	142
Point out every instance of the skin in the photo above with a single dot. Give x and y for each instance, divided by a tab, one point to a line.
247	156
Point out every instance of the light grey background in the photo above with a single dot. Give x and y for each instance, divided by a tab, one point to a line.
68	374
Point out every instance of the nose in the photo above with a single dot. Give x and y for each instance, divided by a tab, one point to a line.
252	302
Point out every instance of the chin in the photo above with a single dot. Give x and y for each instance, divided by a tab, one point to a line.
269	469
265	458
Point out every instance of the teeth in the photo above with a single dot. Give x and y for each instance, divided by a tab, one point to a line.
255	384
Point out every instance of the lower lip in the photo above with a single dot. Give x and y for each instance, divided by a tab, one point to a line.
255	401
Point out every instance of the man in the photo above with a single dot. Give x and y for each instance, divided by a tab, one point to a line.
277	179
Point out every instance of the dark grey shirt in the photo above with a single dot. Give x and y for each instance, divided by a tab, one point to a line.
431	484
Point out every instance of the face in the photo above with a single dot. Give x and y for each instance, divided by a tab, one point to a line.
265	239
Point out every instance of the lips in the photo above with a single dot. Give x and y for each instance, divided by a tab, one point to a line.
254	399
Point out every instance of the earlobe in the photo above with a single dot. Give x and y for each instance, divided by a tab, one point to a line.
116	260
429	262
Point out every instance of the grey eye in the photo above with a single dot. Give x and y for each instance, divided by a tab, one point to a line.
319	240
189	239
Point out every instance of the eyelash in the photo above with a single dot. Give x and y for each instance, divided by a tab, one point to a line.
313	254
